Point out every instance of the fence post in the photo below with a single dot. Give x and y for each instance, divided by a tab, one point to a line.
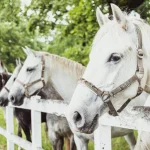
10	126
102	138
36	129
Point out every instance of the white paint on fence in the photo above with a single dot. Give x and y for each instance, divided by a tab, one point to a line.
102	136
36	129
36	105
10	126
47	106
15	139
135	122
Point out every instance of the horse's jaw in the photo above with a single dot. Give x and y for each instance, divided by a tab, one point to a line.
146	79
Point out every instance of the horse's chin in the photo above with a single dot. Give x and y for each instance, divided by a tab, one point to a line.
20	101
3	102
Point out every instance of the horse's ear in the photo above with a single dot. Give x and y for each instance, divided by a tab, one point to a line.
18	62
119	16
101	18
1	64
28	51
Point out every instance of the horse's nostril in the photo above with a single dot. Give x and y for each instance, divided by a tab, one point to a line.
12	99
78	120
77	117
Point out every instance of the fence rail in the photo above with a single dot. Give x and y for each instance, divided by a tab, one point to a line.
102	135
36	105
136	120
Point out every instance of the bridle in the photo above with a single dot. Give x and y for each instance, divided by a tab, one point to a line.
26	86
139	73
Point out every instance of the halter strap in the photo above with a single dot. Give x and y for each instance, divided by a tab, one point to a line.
36	81
139	73
6	89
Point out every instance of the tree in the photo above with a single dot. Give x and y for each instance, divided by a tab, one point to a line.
71	24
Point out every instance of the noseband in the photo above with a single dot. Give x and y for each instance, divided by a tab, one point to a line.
26	86
139	73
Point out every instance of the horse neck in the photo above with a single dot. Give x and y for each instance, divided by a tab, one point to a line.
64	75
48	92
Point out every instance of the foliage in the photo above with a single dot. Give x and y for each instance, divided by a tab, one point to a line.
62	27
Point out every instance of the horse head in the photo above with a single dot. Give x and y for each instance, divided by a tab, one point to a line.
117	70
31	78
9	82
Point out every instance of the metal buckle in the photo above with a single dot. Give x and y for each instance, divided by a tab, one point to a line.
42	79
140	90
25	86
139	75
140	53
106	96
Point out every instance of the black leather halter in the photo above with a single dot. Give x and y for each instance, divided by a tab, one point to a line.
139	73
34	82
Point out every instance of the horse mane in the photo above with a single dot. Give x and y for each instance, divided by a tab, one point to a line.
66	63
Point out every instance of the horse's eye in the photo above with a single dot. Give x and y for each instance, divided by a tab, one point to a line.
14	78
114	58
30	69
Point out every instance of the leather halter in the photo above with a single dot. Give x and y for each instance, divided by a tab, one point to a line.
139	73
26	86
6	89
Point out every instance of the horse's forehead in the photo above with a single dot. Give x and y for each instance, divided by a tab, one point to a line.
16	71
32	61
112	41
107	45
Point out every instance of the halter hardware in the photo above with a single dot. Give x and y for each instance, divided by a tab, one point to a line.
26	86
139	73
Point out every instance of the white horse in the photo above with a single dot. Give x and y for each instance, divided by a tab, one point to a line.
63	74
116	56
23	116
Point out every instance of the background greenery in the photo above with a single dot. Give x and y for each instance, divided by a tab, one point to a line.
64	27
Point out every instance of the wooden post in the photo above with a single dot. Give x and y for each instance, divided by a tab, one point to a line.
10	126
36	130
102	138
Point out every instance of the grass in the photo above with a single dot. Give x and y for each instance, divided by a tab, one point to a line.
117	143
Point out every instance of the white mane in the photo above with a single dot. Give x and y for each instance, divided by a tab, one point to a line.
73	66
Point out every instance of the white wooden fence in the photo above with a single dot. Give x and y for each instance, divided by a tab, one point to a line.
102	136
36	106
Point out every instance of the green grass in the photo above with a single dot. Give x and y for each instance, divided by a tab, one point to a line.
117	143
